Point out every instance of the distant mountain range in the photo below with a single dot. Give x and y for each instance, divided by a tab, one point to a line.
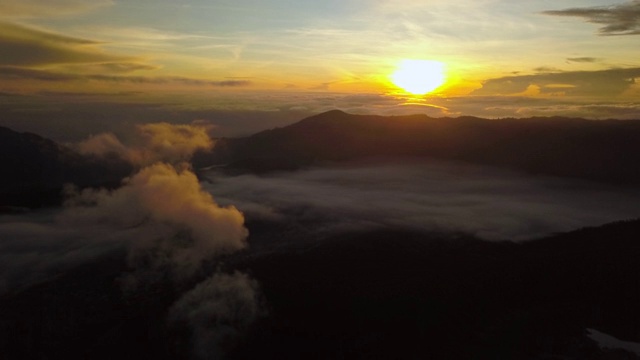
36	169
606	150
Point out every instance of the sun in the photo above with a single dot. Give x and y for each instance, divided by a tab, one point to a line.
419	77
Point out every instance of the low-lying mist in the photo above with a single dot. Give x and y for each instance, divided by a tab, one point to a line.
487	202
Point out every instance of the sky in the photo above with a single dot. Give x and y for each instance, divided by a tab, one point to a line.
500	58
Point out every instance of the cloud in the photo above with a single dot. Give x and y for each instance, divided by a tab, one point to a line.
25	46
622	19
109	68
323	87
172	143
217	311
103	145
161	215
169	80
629	111
423	196
45	8
28	53
23	73
583	59
603	83
152	143
546	69
170	221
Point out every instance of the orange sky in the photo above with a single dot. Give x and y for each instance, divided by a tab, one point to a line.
500	58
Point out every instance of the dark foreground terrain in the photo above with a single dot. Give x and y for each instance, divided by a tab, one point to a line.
388	294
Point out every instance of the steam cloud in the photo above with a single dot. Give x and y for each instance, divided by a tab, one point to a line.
217	311
152	143
161	215
170	220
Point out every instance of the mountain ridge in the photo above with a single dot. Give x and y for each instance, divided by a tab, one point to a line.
37	169
599	150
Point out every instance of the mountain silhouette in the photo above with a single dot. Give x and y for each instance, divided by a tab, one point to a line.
606	150
36	169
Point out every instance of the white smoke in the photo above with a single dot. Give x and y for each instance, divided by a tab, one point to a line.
161	215
163	211
151	143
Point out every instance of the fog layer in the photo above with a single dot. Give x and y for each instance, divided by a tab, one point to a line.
427	195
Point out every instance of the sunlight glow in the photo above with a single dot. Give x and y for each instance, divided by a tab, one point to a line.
419	77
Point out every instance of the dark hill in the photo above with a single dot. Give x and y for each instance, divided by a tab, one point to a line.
35	169
597	150
373	295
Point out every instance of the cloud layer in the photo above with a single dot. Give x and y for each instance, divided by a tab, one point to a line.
432	196
30	54
622	19
26	46
602	84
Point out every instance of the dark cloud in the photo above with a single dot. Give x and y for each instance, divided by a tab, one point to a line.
583	59
604	83
109	68
488	202
21	32
25	46
22	73
322	87
8	94
76	94
545	69
622	19
162	80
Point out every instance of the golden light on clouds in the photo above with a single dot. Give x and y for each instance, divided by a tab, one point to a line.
419	77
